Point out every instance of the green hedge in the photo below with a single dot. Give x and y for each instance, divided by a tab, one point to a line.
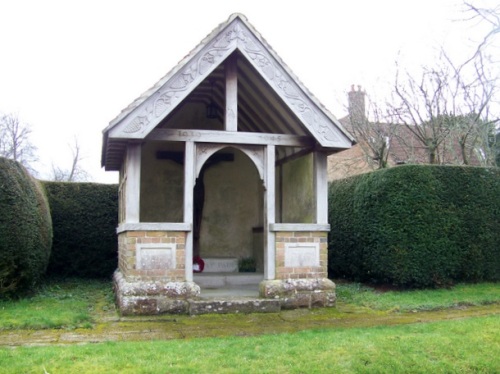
25	229
416	226
85	217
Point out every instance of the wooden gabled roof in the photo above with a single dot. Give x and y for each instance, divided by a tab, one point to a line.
270	98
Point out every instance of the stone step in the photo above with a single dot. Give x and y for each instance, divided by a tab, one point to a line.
233	305
220	280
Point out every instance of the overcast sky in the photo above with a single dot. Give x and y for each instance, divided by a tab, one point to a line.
69	67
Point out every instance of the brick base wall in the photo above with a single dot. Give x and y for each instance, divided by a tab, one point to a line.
302	238
127	255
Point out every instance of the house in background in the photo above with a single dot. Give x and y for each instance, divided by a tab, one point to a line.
384	142
223	160
357	159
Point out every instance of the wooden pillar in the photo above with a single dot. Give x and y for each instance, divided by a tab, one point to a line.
321	187
133	184
231	114
269	215
189	158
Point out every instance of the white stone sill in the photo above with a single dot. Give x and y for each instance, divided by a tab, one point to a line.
179	226
284	227
154	226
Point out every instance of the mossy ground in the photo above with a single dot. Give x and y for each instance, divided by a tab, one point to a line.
466	345
358	306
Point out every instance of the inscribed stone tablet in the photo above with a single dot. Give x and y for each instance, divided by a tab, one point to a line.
298	255
155	256
221	265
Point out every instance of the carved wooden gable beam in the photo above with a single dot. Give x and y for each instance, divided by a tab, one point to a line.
154	109
288	89
237	35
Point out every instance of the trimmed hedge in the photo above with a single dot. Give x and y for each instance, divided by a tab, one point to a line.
25	229
84	217
416	226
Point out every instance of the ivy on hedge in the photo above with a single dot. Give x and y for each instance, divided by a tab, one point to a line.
84	217
25	229
416	226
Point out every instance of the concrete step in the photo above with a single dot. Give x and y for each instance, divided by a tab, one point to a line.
233	305
221	280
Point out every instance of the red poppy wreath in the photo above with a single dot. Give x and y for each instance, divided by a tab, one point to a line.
198	264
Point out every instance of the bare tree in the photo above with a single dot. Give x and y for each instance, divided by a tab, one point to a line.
419	103
75	173
488	16
474	97
447	109
444	114
15	141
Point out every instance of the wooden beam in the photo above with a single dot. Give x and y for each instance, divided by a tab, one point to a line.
133	184
189	161
269	215
321	187
231	116
293	156
230	137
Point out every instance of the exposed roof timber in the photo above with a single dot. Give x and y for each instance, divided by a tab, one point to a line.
250	121
115	155
257	122
261	93
263	114
254	92
254	96
293	156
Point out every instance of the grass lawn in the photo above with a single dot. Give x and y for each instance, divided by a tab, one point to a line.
74	303
64	304
471	345
419	300
466	345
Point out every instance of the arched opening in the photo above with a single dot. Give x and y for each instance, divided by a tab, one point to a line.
228	218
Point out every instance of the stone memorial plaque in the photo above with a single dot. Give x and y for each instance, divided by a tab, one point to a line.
221	265
155	256
298	255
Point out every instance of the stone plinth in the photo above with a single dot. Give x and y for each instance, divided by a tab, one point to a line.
153	297
300	293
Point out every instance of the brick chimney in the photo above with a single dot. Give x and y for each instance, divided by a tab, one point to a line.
357	110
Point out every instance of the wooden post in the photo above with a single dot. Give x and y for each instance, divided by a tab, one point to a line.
189	158
321	187
133	184
269	215
231	116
